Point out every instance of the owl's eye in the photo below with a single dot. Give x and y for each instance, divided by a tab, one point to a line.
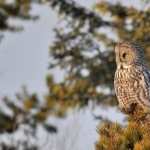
124	55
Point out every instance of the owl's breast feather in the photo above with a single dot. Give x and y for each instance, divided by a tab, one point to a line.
125	85
133	85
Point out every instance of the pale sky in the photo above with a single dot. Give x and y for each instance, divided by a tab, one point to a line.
24	55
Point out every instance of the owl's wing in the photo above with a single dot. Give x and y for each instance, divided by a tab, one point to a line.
146	74
144	88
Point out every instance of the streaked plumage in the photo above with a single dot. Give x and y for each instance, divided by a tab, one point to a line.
132	78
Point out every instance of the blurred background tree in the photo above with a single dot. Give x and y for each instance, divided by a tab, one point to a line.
14	9
84	49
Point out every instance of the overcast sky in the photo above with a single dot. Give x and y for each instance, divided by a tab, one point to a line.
24	55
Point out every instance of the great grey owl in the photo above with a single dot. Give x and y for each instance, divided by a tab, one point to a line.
132	77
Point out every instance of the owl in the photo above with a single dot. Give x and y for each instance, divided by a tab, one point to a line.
132	77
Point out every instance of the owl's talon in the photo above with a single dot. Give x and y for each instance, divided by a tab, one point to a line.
124	110
121	108
128	110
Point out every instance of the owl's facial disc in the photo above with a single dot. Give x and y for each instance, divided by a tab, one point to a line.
125	55
128	54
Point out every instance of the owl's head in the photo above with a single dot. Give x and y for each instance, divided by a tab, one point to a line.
128	54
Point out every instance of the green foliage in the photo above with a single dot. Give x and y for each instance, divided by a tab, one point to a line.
134	136
26	111
18	9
